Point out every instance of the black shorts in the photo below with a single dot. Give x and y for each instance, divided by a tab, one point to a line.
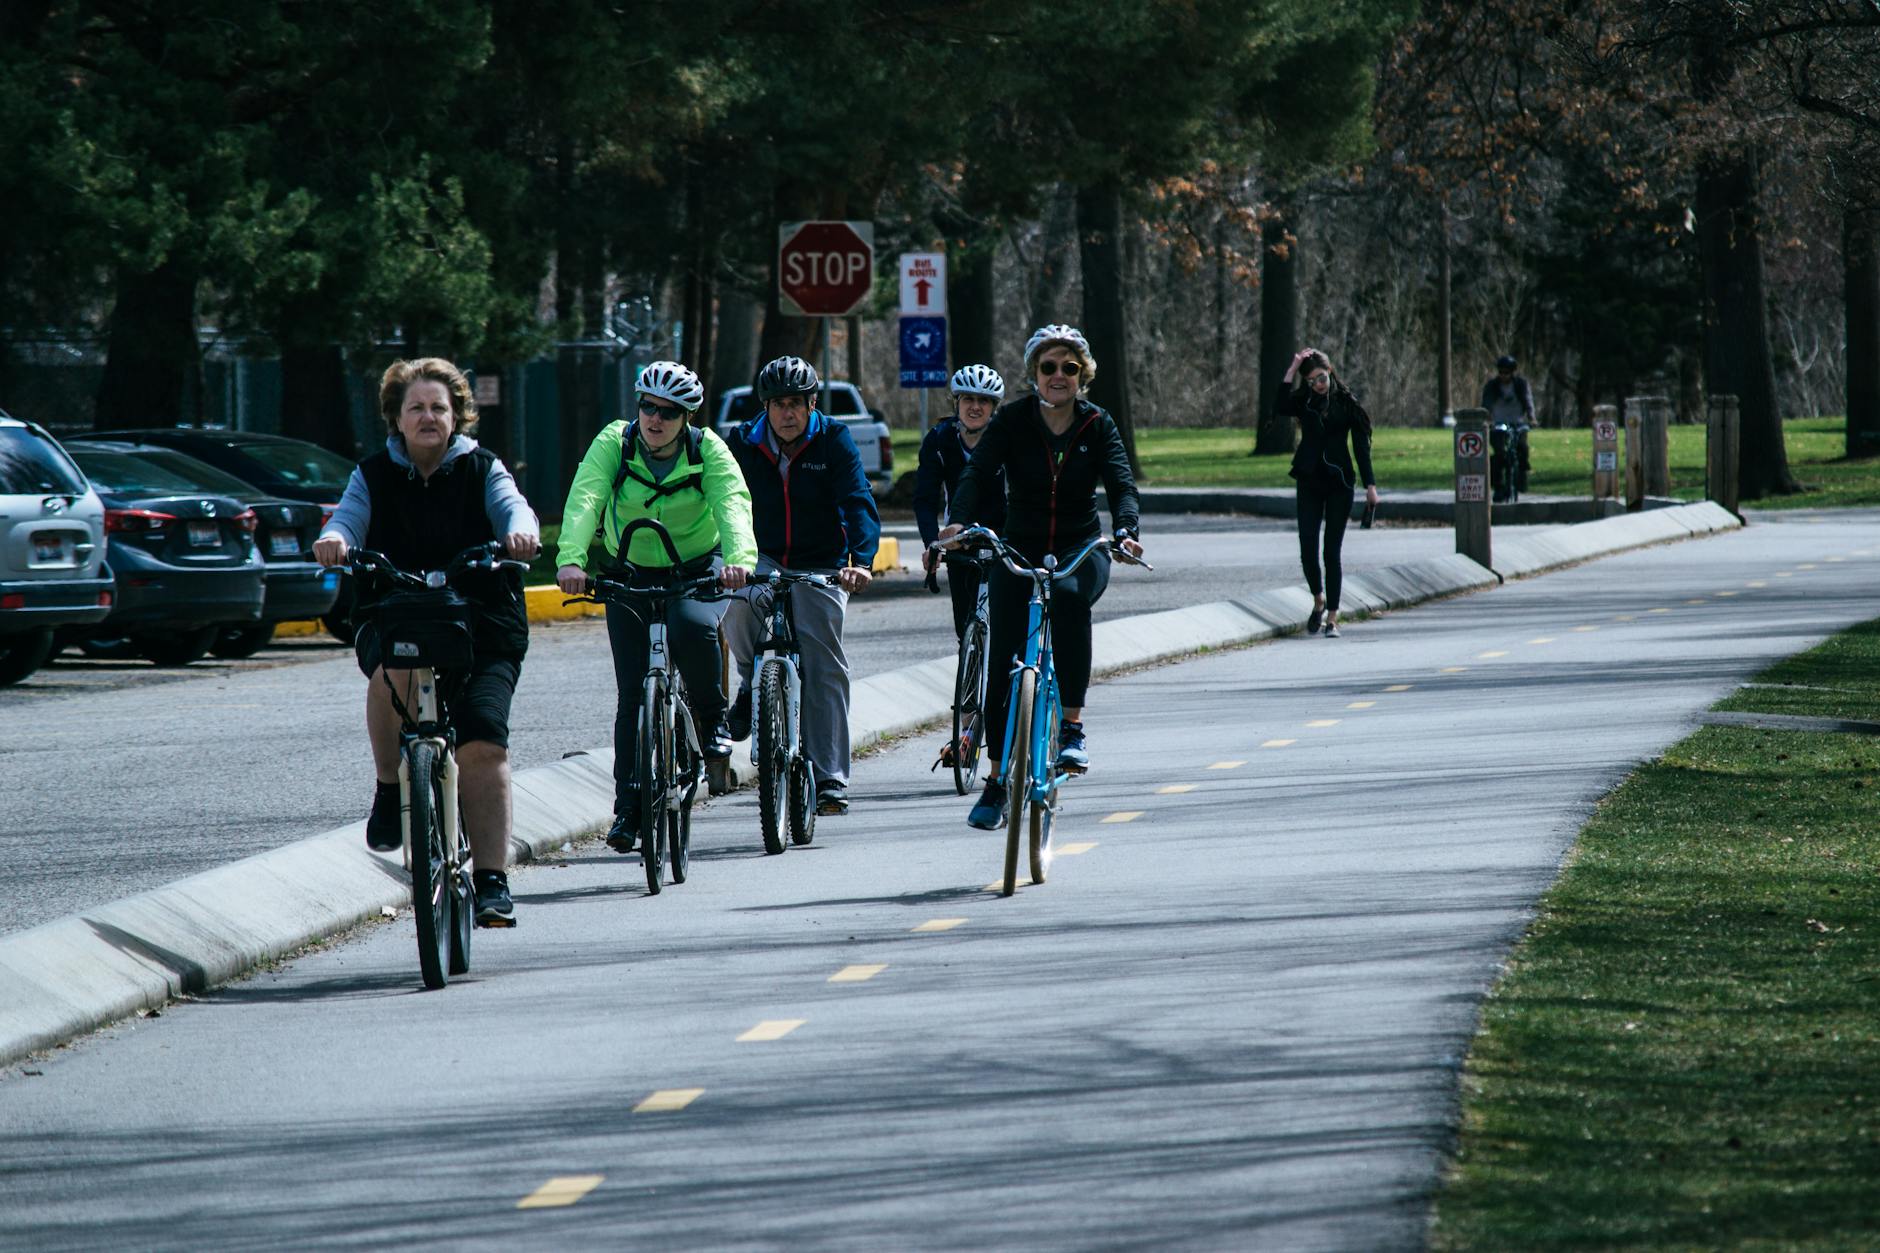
478	700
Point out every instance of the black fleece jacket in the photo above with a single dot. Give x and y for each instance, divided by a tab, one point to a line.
1050	498
1324	428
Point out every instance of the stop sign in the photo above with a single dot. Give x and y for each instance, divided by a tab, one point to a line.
824	269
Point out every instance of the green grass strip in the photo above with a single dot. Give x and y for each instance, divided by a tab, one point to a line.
1684	1052
1840	679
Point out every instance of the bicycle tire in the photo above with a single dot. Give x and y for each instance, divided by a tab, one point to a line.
430	868
773	764
652	794
1018	775
679	817
1043	811
802	802
969	703
463	922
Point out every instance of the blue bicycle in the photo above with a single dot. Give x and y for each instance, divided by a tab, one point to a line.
1035	709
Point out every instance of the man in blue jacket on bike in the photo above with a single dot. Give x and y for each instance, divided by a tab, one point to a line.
813	514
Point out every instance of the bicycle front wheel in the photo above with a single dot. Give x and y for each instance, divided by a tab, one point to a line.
685	787
1043	810
653	784
773	759
1018	774
431	870
969	704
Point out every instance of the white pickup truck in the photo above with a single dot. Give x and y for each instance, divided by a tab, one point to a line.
841	402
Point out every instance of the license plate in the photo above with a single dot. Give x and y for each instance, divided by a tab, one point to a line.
48	546
204	535
284	543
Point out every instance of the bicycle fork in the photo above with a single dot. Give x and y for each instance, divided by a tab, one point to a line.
427	714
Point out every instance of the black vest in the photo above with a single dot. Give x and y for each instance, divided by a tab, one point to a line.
422	523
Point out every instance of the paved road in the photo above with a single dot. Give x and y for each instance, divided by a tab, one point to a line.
123	777
1232	1020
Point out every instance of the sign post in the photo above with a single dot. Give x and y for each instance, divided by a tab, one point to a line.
1605	451
1472	521
923	324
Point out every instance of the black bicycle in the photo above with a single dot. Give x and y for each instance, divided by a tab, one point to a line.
424	630
786	782
670	763
968	746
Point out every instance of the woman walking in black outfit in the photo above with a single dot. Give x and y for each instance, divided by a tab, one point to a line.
1329	416
1054	449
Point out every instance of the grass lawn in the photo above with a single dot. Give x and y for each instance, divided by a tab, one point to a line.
1421	458
1684	1052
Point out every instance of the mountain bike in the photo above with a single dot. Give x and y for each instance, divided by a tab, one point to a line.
967	747
424	630
1031	775
786	782
670	763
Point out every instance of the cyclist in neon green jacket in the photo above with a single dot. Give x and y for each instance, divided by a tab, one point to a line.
660	466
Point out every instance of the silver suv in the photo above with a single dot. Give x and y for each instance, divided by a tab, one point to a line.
52	570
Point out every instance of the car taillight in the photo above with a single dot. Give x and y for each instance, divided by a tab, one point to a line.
247	521
136	520
104	600
13	600
887	452
326	514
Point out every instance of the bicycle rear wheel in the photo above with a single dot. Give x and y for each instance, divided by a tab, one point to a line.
653	783
969	703
802	801
1042	811
1018	774
773	761
431	870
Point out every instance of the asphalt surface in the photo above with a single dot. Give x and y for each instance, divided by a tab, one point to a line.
123	777
1232	1019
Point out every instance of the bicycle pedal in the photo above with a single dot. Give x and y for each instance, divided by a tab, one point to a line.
1073	770
496	924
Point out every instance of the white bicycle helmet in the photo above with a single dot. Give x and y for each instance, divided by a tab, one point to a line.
977	380
1056	333
668	380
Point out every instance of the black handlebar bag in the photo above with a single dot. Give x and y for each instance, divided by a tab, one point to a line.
425	629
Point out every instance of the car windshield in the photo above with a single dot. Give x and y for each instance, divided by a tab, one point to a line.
202	476
842	402
126	474
302	464
32	465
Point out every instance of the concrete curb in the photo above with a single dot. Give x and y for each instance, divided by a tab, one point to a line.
64	978
1421	505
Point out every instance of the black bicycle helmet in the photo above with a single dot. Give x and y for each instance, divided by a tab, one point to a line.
787	376
1505	363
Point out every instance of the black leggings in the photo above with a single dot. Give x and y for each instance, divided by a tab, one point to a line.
1330	503
692	641
1009	609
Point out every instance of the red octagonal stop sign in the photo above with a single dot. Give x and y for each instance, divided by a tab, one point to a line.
824	269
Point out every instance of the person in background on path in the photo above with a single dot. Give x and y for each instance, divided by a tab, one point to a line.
662	467
430	493
814	514
1510	401
1052	448
1333	427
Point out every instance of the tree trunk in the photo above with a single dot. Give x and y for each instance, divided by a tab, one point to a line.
785	336
689	312
1445	326
735	356
314	403
1279	328
153	366
1057	253
1100	249
1861	299
1737	359
971	300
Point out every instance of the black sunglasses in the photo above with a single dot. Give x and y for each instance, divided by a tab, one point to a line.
1071	368
665	413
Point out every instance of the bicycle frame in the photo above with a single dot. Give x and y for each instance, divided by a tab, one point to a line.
423	724
779	644
1045	779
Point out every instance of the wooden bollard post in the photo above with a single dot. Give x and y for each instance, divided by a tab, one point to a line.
1722	445
1472	525
1605	452
1634	453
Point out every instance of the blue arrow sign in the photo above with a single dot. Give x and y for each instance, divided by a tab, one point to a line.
923	352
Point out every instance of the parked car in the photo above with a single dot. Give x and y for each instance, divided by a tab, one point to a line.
279	466
185	560
840	401
285	530
52	548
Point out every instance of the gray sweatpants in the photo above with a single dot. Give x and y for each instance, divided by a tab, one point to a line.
818	612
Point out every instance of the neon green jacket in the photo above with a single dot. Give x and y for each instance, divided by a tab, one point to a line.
703	502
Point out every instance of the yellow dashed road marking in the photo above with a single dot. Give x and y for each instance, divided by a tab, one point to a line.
561	1190
1227	765
1757	583
1453	670
1278	743
1806	565
1723	594
1175	789
1398	687
1071	850
1323	722
1695	600
1626	617
1493	652
1545	639
860	974
1124	815
771	1029
1785	574
666	1100
1586	628
1362	704
1660	611
941	924
1835	561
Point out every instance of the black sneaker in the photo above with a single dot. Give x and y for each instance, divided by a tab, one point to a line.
1073	751
384	829
494	908
989	813
717	743
832	797
625	832
738	717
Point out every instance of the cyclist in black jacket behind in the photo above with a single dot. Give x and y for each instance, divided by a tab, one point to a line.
977	389
1053	448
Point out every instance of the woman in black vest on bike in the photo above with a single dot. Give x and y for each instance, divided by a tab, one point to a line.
430	493
1329	417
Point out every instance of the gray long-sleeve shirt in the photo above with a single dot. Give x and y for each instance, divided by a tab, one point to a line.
503	501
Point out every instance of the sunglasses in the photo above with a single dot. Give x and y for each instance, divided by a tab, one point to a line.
665	413
1071	368
1320	377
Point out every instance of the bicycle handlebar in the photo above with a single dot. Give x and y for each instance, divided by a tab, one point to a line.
777	577
698	587
1007	554
365	561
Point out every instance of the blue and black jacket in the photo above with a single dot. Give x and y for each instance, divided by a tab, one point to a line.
818	514
943	459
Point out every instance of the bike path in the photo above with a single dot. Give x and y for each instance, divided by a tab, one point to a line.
1232	1020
